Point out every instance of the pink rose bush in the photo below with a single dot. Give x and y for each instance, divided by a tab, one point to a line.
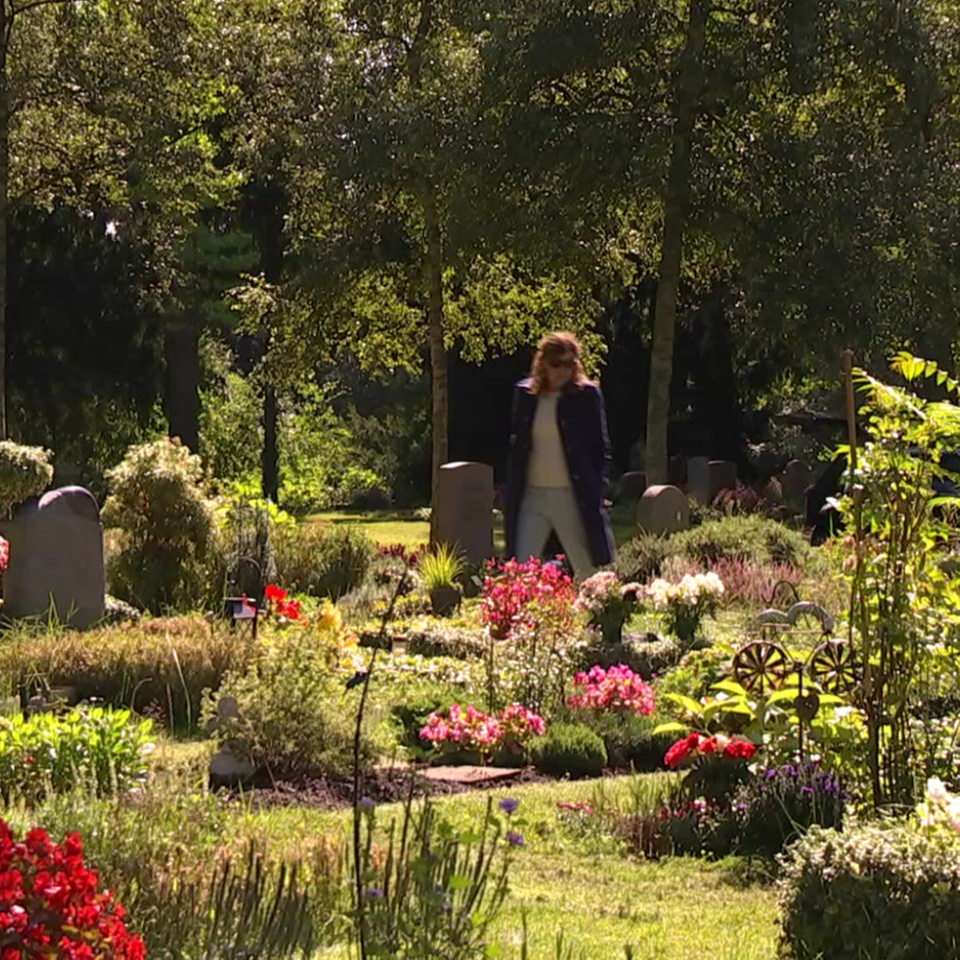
617	689
471	729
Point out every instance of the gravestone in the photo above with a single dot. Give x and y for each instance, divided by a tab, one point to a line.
723	476
698	479
797	477
676	471
464	513
56	559
631	487
663	509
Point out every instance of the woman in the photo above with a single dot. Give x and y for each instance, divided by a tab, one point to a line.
559	453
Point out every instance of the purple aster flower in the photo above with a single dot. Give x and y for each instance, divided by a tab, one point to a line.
508	805
373	893
366	803
515	839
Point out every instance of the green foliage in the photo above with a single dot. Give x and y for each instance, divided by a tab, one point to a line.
649	658
104	749
630	740
569	750
871	893
642	556
904	609
158	502
745	537
441	567
436	891
24	472
323	561
696	673
296	719
158	666
245	538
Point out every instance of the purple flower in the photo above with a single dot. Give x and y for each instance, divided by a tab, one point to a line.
508	805
515	839
366	803
373	893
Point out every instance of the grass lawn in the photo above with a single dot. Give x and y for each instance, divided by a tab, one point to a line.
385	527
583	888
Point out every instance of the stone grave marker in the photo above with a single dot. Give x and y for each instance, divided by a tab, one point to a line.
56	559
698	479
723	476
676	471
631	487
464	511
797	476
663	509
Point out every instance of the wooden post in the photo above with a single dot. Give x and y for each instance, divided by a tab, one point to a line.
846	365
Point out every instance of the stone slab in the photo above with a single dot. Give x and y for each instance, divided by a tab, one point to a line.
468	774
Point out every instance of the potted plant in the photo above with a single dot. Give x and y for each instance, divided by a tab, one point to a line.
609	603
440	569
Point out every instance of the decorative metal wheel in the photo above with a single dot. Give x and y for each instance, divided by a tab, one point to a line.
761	665
835	667
805	611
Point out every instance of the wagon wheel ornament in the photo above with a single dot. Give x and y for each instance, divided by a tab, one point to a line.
761	665
835	667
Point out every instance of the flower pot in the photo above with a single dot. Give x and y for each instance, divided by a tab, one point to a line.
444	600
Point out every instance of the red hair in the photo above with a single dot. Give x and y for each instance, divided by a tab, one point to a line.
552	346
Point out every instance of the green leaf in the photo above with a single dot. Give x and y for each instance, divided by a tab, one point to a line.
671	727
688	703
730	686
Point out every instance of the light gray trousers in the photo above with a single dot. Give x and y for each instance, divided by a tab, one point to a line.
553	508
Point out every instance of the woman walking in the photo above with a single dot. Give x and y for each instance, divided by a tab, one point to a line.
559	457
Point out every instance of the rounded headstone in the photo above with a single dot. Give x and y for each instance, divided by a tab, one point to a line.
663	509
631	486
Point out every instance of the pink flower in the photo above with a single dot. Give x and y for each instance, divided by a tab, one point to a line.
617	688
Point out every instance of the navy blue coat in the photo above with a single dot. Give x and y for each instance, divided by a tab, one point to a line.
582	422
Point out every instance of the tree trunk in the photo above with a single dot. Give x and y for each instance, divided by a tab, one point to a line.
675	204
4	209
182	381
270	464
440	393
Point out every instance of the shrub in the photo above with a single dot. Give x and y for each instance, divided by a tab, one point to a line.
570	750
745	537
103	748
696	673
322	561
160	664
630	741
647	657
641	558
166	522
871	893
296	718
24	472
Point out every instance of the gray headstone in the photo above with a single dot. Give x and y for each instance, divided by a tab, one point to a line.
464	511
797	476
56	559
723	476
663	509
676	471
631	487
698	479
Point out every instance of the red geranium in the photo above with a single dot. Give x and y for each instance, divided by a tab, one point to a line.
696	745
50	904
281	604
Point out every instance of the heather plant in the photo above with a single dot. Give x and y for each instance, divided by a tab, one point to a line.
166	543
24	472
752	582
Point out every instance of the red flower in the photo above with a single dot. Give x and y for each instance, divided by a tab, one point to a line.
679	752
708	746
740	749
275	594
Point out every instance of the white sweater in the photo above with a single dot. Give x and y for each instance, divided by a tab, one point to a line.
548	462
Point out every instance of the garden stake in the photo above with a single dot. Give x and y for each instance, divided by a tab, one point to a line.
357	874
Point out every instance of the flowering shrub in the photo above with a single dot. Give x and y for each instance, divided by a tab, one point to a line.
470	729
4	554
752	581
50	905
697	745
685	604
606	599
515	593
940	809
616	689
